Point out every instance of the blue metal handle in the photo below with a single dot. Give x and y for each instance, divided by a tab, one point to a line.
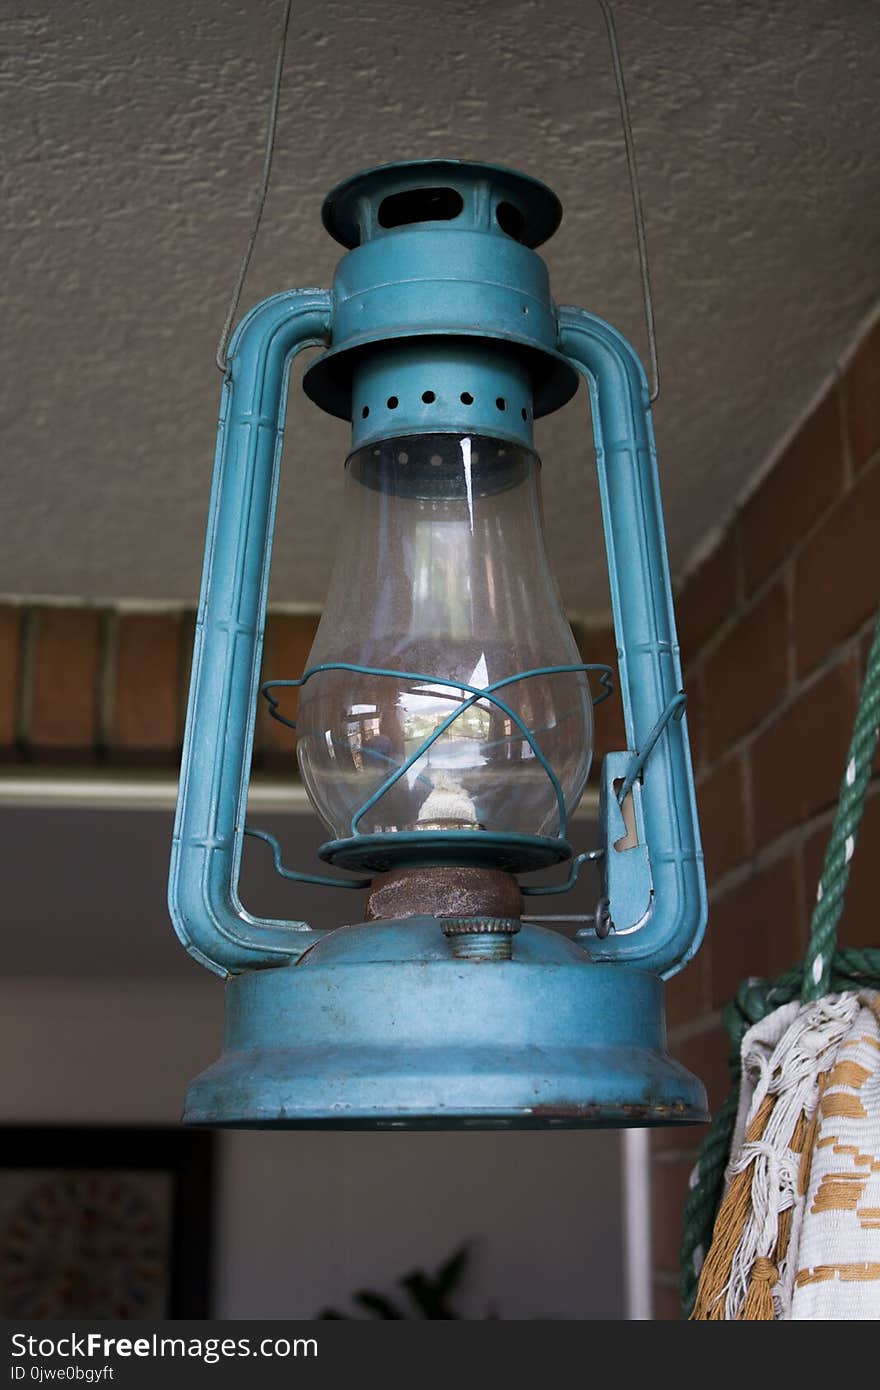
647	648
206	854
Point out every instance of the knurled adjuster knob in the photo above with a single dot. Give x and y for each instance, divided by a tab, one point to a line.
481	938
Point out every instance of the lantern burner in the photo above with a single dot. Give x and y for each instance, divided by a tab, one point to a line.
448	892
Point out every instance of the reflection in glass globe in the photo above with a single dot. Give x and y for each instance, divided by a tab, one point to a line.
442	572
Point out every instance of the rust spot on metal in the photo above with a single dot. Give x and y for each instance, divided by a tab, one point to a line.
649	1112
444	891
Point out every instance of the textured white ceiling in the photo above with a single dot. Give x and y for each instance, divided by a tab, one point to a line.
133	137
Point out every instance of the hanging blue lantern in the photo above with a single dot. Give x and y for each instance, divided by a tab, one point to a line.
445	719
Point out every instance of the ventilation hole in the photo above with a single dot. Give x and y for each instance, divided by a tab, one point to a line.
501	403
392	402
365	412
466	398
525	413
428	397
510	220
525	308
420	205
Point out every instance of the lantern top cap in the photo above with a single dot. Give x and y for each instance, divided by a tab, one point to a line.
454	193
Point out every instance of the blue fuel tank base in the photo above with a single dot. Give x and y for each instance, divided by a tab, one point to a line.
357	1034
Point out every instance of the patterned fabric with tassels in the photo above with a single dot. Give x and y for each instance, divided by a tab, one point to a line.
837	1274
799	1221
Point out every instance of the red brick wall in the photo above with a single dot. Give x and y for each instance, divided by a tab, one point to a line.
774	627
88	685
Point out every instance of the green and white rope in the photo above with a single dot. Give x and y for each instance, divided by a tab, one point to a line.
826	970
835	873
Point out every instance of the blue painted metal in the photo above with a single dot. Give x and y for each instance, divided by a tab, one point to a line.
465	278
380	1025
544	890
626	871
352	210
316	880
674	710
476	849
215	767
647	647
441	386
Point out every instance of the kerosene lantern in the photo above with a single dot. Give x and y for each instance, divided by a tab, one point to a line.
445	718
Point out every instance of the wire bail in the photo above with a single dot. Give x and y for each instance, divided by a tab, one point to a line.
632	169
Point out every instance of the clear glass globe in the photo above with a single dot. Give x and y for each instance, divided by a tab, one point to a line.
442	572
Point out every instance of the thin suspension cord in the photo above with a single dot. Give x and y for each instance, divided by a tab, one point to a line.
632	167
271	128
635	191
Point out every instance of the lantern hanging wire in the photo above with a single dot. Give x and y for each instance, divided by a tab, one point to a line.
271	128
631	164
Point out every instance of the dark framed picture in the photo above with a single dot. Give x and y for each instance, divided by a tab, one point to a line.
105	1223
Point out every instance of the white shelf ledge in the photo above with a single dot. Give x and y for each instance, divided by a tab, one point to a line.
125	790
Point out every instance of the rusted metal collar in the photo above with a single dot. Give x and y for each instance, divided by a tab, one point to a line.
444	891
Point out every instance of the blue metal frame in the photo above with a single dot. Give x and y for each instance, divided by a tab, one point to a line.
647	650
366	301
582	1043
215	768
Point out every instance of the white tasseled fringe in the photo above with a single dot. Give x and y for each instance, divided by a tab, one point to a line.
783	1056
